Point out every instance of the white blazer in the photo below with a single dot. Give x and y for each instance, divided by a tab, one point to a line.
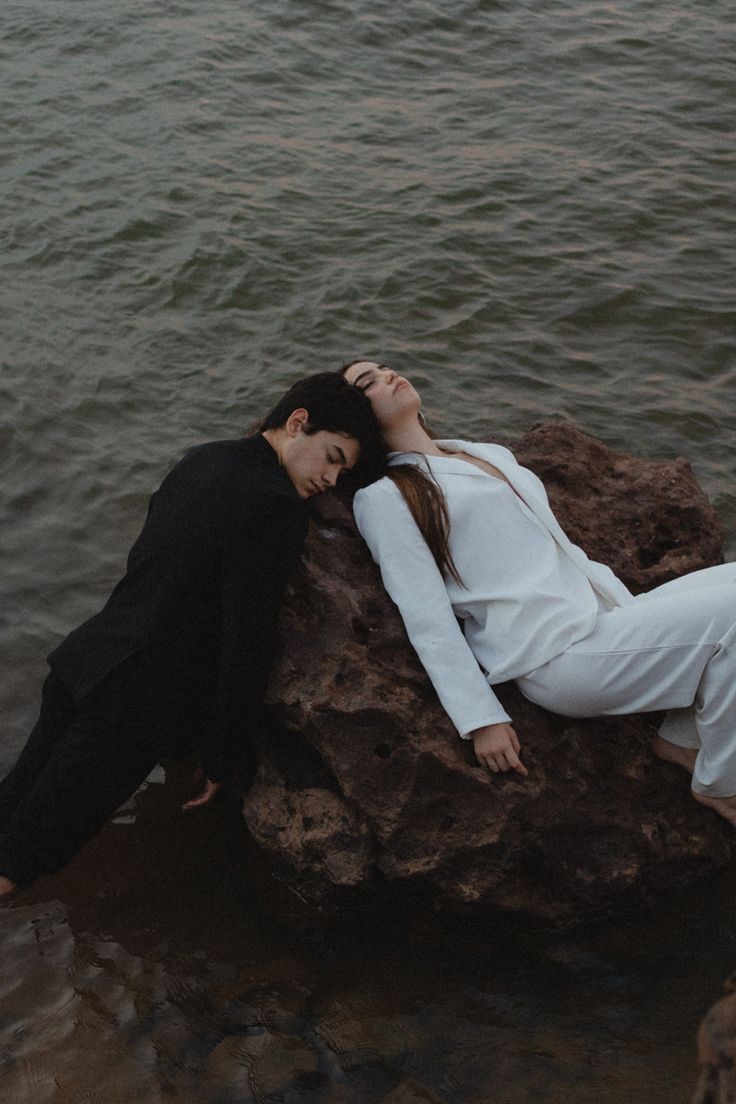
528	594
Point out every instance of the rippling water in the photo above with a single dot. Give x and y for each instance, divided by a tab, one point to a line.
529	209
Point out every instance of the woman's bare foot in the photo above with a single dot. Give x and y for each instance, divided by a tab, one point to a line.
673	753
726	806
8	889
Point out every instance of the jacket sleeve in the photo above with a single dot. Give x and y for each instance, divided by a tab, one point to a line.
258	556
415	584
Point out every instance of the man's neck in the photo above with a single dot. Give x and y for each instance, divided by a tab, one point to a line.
274	438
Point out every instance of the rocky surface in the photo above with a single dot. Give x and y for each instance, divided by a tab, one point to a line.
648	520
717	1052
366	784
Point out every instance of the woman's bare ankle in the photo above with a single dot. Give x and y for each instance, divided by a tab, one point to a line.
673	753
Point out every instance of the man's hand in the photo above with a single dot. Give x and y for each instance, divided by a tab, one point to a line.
205	795
497	747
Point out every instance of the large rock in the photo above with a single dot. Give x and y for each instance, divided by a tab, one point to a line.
368	782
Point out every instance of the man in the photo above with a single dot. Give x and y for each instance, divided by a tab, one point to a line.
178	659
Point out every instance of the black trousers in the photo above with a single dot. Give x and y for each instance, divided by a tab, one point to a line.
80	763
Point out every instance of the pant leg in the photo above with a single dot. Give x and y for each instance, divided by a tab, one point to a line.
88	777
679	726
675	648
719	575
99	761
57	712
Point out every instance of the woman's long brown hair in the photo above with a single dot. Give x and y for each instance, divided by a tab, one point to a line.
427	505
426	501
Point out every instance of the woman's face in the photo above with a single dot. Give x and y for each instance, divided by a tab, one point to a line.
392	397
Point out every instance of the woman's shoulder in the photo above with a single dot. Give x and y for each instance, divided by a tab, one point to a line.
383	490
380	505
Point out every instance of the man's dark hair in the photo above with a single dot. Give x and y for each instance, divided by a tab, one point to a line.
335	405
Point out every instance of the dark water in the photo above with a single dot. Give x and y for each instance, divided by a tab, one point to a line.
166	964
527	207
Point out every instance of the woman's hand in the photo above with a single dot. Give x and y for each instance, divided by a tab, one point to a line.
497	747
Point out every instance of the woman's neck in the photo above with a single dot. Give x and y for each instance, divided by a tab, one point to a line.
410	437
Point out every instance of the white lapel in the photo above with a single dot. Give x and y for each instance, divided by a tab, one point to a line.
530	489
496	455
526	484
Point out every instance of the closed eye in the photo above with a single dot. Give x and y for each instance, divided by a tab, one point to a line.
338	458
365	379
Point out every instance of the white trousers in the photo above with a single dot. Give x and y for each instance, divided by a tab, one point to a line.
674	648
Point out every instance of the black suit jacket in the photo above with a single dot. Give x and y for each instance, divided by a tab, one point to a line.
200	598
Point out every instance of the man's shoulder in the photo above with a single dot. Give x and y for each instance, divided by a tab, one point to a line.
241	462
254	450
237	484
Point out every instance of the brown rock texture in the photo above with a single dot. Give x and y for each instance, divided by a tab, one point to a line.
648	520
365	783
717	1052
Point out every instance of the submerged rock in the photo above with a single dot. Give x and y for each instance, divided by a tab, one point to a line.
367	782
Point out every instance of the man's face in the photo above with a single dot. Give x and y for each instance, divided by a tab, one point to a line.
313	461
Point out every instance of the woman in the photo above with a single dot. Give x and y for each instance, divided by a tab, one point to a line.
462	532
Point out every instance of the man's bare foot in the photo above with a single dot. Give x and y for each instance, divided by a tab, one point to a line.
673	753
726	806
8	889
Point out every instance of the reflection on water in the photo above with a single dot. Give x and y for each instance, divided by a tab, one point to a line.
166	964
